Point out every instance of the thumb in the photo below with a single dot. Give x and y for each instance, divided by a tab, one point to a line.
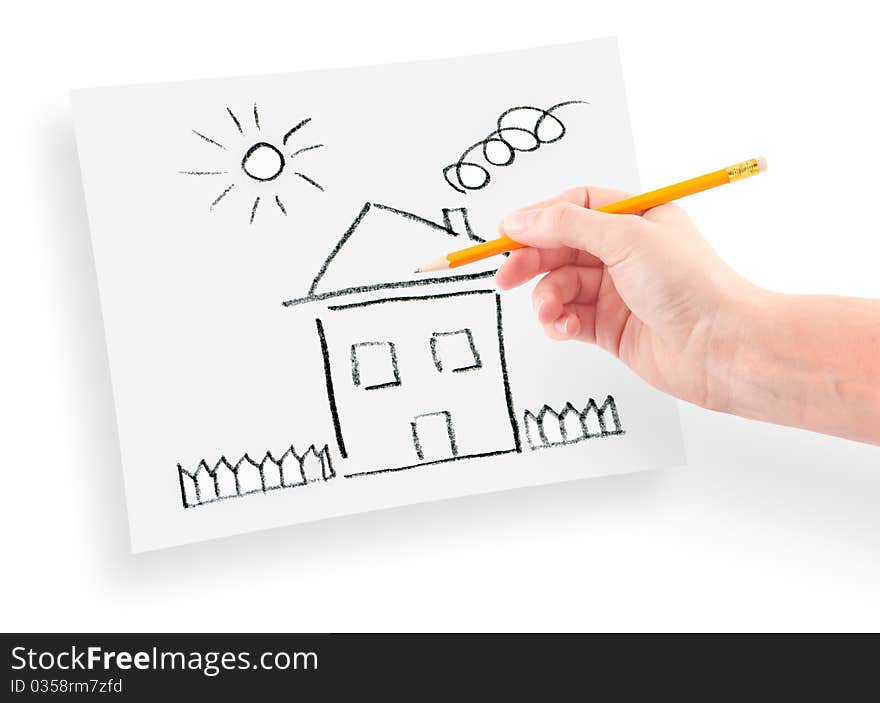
609	237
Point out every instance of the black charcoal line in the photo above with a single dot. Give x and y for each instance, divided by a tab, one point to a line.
405	298
309	180
438	363
447	222
571	442
568	410
542	430
305	149
592	405
611	405
280	205
294	128
528	431
508	396
180	472
221	196
497	137
415	218
460	457
208	139
450	432
355	365
351	228
382	286
380	386
327	469
591	409
331	396
254	209
223	468
235	119
202	173
477	363
256	117
417	445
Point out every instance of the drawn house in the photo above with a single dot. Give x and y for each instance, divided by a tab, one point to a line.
414	365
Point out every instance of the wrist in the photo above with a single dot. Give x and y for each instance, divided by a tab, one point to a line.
739	333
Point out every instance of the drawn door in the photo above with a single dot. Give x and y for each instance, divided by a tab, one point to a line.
434	437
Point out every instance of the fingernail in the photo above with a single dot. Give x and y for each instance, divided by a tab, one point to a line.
538	304
562	326
519	221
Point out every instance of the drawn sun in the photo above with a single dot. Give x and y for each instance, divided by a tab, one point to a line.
262	162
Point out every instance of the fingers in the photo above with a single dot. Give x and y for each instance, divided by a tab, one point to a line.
565	302
585	196
577	321
564	286
524	264
564	224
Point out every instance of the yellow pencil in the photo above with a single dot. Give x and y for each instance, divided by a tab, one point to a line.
628	206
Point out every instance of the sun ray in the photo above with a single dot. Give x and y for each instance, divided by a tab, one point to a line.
306	148
202	173
309	180
280	205
254	209
208	139
256	117
235	119
294	128
221	196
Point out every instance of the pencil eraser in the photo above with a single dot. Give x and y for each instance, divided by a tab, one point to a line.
762	164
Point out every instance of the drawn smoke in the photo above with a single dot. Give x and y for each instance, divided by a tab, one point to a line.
225	480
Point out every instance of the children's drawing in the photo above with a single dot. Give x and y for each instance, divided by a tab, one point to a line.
205	484
434	362
393	387
425	372
412	364
444	346
518	129
556	429
260	161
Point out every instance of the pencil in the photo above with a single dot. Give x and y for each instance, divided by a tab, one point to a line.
628	206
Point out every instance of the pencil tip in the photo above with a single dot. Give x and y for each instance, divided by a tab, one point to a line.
435	265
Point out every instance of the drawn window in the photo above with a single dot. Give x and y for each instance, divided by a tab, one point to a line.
455	351
374	365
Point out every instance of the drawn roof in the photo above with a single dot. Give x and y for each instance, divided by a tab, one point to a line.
357	264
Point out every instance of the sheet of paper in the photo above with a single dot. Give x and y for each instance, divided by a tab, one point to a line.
274	357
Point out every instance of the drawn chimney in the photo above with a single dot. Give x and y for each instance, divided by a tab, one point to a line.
456	219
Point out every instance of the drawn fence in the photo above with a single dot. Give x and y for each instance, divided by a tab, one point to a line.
246	476
549	428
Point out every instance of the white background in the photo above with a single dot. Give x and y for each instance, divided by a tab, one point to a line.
767	528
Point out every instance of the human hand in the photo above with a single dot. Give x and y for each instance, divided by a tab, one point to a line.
647	288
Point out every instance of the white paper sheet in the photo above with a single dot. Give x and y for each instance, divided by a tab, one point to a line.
275	360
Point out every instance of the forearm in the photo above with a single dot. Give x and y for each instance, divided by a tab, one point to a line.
805	361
